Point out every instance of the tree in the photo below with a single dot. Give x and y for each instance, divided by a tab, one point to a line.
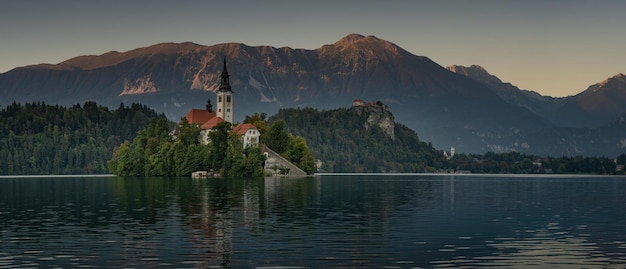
277	138
188	133
254	162
254	118
243	163
160	162
218	144
233	164
299	154
125	161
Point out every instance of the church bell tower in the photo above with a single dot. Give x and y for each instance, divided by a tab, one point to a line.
225	102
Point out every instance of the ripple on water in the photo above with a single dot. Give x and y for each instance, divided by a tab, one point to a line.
207	227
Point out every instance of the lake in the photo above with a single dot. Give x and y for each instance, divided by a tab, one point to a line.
403	221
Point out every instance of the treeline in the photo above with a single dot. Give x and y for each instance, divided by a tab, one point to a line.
338	138
37	138
519	163
154	152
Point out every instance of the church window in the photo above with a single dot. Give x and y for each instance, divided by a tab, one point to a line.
219	99
228	99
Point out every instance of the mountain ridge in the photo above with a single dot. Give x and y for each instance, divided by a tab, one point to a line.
445	108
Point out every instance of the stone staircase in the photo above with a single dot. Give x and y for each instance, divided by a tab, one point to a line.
277	165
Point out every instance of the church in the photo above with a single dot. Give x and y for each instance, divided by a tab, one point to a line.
208	118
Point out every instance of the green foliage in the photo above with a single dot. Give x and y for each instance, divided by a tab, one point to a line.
218	138
36	138
299	154
243	163
154	153
339	139
255	118
188	135
277	138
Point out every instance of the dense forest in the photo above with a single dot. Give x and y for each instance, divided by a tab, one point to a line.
37	138
154	152
338	138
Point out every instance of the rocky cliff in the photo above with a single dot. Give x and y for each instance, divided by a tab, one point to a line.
378	115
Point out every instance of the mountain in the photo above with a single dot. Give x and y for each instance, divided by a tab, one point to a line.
531	100
590	123
443	107
597	105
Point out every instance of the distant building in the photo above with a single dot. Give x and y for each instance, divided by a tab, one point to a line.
452	151
359	103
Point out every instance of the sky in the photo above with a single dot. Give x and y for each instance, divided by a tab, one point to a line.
557	48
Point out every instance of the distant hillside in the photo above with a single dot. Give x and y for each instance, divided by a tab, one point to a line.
598	105
543	106
590	123
360	139
608	140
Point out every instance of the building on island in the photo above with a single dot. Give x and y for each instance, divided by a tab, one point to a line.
208	118
249	133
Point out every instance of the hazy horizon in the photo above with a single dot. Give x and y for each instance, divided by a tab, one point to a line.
554	48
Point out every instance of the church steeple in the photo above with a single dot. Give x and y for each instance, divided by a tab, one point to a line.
225	100
225	84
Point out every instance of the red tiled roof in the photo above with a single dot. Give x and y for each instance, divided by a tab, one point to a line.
241	129
199	116
211	123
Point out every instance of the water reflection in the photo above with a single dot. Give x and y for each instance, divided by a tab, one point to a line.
550	223
340	221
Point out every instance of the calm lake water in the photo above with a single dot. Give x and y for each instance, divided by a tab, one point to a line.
325	221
